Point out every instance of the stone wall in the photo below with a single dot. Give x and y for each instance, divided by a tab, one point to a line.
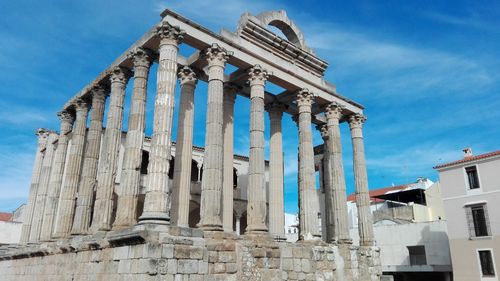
182	254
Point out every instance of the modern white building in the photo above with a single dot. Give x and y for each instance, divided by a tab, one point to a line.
471	195
11	225
410	229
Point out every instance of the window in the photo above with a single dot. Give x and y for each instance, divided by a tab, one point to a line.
486	261
472	177
417	255
477	219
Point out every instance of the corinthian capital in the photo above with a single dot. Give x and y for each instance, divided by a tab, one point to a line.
216	55
169	33
119	75
187	75
81	105
99	92
323	130
334	110
356	120
304	98
257	75
275	109
230	91
141	57
66	116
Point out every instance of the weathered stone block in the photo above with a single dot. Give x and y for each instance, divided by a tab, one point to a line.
167	251
187	266
227	256
182	252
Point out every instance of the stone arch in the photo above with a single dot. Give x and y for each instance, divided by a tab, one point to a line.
280	20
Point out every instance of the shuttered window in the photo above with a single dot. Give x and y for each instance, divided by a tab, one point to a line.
477	220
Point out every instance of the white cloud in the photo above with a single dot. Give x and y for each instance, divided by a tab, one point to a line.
395	66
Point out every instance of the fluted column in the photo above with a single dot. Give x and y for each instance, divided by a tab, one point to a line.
87	185
66	208
211	185
56	175
308	198
35	182
128	192
276	200
365	220
184	149
41	197
228	180
336	178
257	209
103	206
325	177
156	203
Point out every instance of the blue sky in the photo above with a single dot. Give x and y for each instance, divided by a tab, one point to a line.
428	73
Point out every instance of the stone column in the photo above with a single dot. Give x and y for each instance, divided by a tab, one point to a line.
103	206
336	179
238	225
228	181
156	202
257	203
41	197
35	182
56	175
66	206
184	149
211	185
132	159
308	198
276	200
325	177
85	196
365	223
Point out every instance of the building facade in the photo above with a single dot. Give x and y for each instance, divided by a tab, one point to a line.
471	194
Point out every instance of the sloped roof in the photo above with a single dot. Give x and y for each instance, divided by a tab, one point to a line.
469	159
5	216
377	192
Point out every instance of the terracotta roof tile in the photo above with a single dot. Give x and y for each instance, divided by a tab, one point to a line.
5	216
469	159
377	192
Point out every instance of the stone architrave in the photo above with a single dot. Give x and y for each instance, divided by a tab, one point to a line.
211	185
184	149
108	163
128	191
85	197
257	209
365	220
308	198
66	207
336	178
56	175
276	199
156	203
35	182
228	179
41	198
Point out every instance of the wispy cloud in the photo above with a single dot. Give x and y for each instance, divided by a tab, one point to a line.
472	20
397	68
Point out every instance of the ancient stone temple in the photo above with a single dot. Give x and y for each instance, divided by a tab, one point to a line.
111	205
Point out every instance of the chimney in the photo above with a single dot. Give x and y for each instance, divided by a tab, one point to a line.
467	152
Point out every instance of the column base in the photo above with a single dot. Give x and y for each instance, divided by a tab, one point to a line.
154	218
212	227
